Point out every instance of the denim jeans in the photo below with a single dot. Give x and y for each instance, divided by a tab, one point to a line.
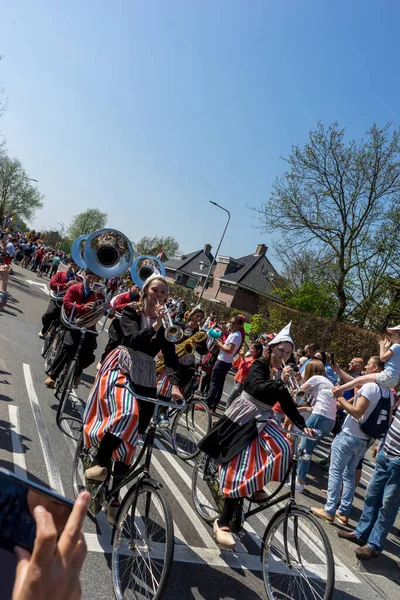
218	376
347	450
235	393
314	422
382	501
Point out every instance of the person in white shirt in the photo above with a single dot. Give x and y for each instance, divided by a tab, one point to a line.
322	409
227	353
349	447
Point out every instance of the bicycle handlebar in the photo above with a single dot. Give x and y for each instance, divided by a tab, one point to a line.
180	404
296	432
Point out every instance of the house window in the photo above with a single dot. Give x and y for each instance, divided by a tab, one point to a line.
178	278
192	282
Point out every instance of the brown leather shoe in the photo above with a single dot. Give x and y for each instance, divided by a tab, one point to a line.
96	473
365	553
343	519
351	537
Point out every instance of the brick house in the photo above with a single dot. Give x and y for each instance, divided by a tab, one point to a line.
190	269
236	282
240	282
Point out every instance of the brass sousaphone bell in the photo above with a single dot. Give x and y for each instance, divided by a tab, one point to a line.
105	252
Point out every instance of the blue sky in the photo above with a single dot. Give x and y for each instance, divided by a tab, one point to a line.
148	110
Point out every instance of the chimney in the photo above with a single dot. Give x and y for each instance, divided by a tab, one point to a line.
207	248
261	250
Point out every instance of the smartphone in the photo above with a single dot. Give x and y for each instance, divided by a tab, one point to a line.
332	358
18	498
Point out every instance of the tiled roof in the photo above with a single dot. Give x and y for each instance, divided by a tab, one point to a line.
255	274
191	263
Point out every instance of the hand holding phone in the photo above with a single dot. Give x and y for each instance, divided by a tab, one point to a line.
53	569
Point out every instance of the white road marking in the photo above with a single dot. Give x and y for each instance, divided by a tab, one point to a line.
17	448
42	286
49	458
184	504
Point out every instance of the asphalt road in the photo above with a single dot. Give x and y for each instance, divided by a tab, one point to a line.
32	444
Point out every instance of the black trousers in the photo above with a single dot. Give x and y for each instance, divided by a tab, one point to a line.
68	350
218	377
52	313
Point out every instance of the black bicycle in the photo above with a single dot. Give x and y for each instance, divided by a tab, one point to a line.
296	554
143	532
65	379
187	426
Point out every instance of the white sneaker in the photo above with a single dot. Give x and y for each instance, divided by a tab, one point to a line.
299	487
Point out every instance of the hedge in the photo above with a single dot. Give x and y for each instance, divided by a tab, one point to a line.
346	341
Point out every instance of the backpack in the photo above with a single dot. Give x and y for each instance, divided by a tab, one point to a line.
377	423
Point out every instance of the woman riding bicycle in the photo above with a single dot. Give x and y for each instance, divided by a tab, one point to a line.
113	417
251	452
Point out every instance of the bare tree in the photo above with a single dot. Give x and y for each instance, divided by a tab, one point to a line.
335	197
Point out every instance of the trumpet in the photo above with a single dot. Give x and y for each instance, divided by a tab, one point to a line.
301	397
173	333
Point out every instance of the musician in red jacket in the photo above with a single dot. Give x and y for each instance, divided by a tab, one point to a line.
115	335
59	283
81	299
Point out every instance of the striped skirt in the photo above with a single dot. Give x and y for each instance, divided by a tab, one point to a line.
164	386
266	459
111	409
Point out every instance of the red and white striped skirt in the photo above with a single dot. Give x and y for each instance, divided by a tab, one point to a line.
111	409
265	459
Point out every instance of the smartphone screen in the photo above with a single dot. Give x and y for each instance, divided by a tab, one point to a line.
332	358
18	498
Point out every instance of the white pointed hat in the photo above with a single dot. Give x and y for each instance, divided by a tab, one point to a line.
283	336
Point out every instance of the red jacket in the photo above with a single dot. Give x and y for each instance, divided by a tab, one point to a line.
122	300
75	295
59	280
243	368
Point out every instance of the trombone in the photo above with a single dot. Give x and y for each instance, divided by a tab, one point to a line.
301	397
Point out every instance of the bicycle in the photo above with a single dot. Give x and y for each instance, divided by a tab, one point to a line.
291	568
65	379
143	532
189	424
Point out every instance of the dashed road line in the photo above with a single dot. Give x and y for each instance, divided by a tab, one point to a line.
16	444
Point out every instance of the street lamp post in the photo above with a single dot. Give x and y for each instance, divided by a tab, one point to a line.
219	246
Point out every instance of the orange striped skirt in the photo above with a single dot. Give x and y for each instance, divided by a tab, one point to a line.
266	459
111	409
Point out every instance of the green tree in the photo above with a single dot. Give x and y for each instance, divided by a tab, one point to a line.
87	222
18	197
259	324
153	245
310	297
335	198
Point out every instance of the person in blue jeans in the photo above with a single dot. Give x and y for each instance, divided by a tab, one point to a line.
382	499
323	413
350	446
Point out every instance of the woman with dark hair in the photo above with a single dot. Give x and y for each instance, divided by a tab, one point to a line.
253	452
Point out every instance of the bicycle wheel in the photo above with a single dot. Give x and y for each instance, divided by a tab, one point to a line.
53	349
49	337
207	497
308	569
65	389
143	544
190	425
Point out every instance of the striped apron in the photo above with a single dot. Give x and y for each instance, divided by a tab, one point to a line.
266	459
114	409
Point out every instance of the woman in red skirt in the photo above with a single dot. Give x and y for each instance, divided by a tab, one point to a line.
113	417
250	452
